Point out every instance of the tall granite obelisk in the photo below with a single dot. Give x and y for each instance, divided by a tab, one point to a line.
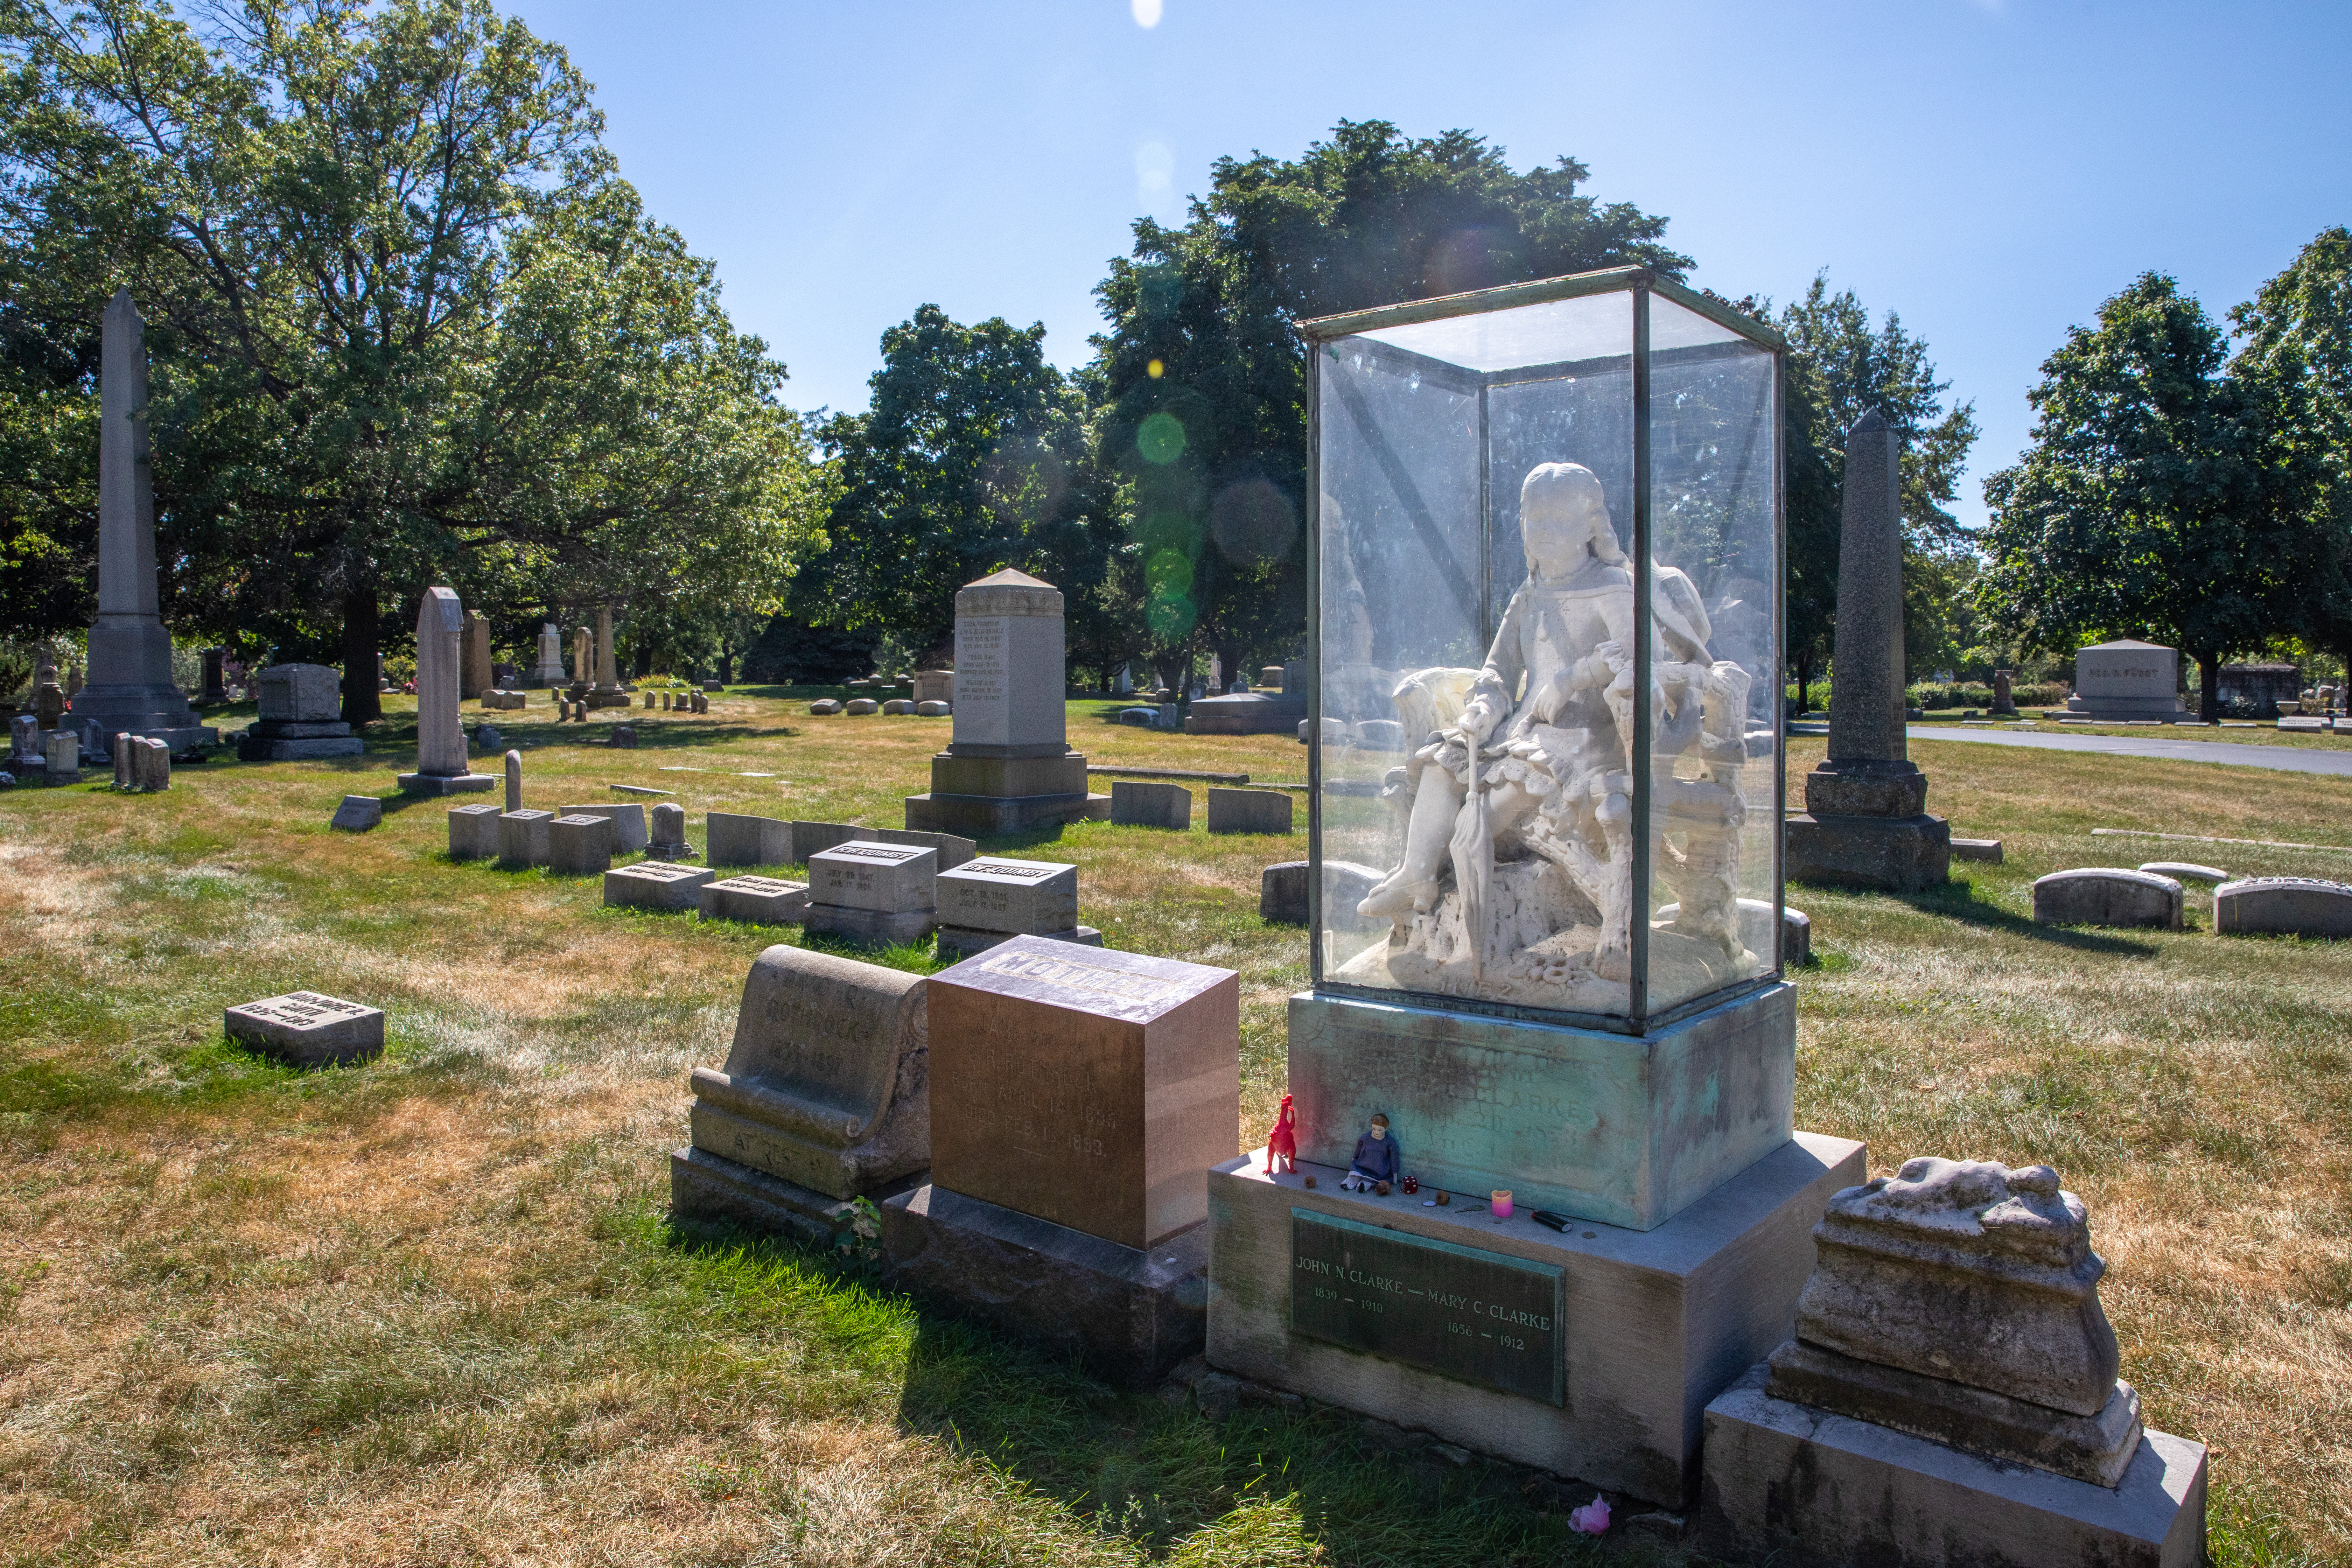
129	687
441	764
1866	822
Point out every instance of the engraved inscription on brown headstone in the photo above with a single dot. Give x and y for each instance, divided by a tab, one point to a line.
1090	1087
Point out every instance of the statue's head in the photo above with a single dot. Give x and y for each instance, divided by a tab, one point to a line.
1564	520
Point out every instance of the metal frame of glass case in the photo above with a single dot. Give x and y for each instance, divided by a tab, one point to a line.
1464	352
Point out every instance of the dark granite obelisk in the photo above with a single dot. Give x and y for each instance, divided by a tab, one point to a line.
129	687
1866	822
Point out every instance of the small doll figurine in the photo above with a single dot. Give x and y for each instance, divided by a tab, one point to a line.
1282	1144
1376	1159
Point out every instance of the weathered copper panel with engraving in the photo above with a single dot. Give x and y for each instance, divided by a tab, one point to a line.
1479	1317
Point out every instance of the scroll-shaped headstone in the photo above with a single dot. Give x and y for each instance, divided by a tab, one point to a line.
828	1084
1959	1299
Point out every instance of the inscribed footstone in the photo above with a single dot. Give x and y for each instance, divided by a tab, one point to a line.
307	1028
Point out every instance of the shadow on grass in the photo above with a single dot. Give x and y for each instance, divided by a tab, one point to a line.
1146	1467
1961	901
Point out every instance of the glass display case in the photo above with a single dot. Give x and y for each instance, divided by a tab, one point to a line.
1546	739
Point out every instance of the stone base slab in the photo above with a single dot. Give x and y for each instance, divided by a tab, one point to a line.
1784	1483
2094	1449
1130	1315
1889	854
1008	777
295	751
1622	1129
880	927
716	1190
981	815
456	784
1655	1324
958	942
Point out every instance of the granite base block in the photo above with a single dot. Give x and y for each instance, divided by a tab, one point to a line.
715	1190
957	944
453	784
1888	854
1656	1323
1785	1483
883	928
1130	1315
1621	1129
981	815
2094	1449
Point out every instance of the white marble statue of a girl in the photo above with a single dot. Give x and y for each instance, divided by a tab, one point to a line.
1540	756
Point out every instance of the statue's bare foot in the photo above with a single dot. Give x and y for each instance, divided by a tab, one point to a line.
1613	961
1396	896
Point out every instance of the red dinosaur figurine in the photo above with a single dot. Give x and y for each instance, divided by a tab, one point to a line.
1282	1144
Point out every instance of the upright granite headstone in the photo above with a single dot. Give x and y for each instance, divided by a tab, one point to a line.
2128	679
1009	766
216	689
442	767
2002	702
301	716
1866	823
549	671
130	650
1080	1097
826	1096
474	657
514	781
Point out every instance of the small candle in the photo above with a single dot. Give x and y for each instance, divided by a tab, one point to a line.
1502	1203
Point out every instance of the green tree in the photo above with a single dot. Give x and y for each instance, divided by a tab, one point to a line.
1204	381
2298	349
975	454
2160	496
1838	369
407	322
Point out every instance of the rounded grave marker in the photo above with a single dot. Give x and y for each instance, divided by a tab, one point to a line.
2107	895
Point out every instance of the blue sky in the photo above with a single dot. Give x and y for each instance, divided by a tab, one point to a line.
1990	169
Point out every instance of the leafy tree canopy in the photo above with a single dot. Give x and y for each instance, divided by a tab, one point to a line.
1204	384
407	324
2161	496
974	454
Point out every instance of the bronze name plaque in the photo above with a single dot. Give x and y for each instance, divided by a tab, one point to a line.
1478	1317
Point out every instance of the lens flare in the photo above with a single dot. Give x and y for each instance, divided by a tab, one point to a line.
1161	439
1145	12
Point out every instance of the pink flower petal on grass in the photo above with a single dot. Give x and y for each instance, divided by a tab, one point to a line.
1592	1519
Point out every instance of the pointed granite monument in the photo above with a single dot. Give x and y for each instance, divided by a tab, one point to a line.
1866	822
441	764
130	690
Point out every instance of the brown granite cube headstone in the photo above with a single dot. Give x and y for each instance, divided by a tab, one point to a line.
1090	1088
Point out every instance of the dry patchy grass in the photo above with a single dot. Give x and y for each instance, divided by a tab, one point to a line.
426	1311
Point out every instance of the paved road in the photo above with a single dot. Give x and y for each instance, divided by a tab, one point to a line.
2284	759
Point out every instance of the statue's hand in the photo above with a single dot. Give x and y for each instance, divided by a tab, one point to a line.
1478	721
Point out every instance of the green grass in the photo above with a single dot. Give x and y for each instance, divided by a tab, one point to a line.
428	1310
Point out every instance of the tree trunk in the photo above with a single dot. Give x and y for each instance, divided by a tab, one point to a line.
1805	678
726	669
362	627
2209	678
